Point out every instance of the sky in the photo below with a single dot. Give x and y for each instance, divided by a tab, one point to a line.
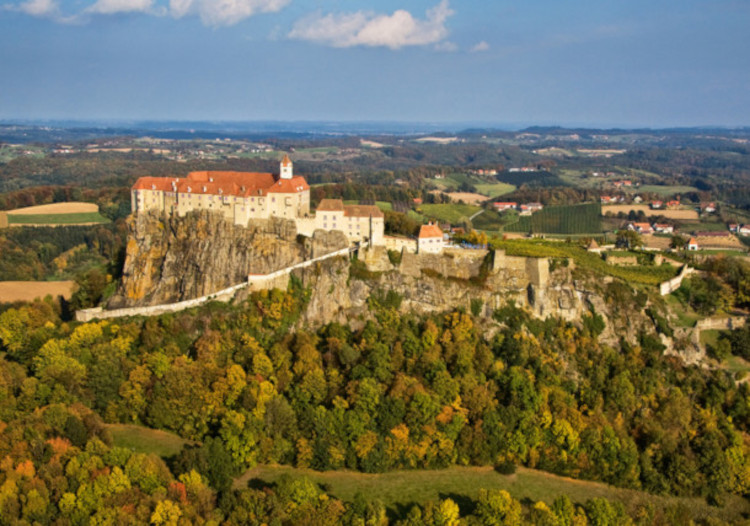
595	63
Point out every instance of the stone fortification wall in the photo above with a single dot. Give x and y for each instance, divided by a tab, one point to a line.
669	286
452	263
400	243
721	324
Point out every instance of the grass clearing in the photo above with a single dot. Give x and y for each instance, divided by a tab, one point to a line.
399	489
83	218
686	317
72	207
451	213
666	190
146	440
494	189
683	214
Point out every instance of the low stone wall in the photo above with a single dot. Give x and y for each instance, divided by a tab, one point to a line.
254	282
669	286
400	243
721	324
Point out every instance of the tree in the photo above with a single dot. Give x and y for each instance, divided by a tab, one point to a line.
628	239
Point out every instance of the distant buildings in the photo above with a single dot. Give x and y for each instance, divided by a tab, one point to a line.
505	205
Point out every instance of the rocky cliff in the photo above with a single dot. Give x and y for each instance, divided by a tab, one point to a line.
172	258
432	283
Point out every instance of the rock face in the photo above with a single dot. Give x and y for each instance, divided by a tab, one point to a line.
172	258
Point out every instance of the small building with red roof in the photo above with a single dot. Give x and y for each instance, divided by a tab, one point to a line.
692	244
430	240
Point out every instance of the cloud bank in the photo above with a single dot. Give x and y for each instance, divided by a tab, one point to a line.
216	13
364	28
213	13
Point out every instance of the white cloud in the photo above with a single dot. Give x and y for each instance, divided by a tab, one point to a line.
481	46
216	13
111	7
370	29
39	8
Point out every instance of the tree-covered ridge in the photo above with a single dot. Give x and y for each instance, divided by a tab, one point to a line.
402	392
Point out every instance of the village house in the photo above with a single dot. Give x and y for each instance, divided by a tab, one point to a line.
708	208
657	205
641	228
529	208
692	244
744	230
430	240
663	228
503	206
734	227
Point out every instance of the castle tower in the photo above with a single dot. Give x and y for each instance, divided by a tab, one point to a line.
285	171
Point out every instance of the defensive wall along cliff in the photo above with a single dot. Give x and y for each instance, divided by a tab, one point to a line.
277	279
671	285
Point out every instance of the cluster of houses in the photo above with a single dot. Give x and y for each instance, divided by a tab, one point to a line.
617	199
525	209
648	228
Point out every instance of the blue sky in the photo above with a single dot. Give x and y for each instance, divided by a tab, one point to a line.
586	62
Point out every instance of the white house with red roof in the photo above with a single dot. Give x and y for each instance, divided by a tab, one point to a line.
358	222
641	228
504	205
430	240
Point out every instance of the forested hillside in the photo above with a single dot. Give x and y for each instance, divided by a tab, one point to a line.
404	392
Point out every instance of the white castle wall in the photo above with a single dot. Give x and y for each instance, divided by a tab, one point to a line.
669	286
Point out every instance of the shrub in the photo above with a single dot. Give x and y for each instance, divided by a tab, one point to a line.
506	467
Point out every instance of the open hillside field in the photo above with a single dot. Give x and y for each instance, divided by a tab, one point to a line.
56	208
492	188
451	213
89	218
468	198
30	290
146	440
74	213
666	191
571	219
685	215
398	489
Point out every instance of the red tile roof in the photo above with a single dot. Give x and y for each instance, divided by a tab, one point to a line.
242	184
330	205
430	231
363	211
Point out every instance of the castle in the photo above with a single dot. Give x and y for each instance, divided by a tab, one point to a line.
244	196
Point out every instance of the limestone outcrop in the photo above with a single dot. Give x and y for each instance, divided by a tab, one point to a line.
171	258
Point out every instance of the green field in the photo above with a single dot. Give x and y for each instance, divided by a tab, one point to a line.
571	219
494	189
451	213
56	219
398	489
146	440
490	189
665	191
